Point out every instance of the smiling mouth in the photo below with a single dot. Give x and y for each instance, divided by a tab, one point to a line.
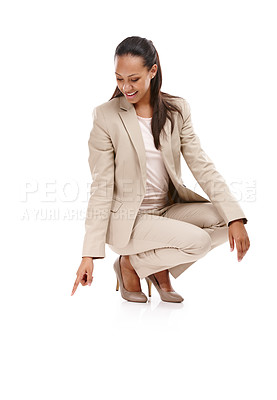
131	94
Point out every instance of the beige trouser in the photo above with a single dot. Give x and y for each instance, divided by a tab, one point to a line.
173	237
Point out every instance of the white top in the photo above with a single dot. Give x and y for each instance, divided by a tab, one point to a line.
157	178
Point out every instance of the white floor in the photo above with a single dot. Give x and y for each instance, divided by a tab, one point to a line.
220	343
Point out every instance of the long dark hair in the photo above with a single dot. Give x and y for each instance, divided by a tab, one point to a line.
160	101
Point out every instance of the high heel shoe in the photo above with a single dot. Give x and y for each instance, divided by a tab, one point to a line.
139	297
171	297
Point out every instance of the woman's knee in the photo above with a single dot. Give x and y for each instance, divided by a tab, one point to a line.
201	243
212	217
205	242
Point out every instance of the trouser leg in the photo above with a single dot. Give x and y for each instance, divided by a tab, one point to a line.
206	217
173	239
172	243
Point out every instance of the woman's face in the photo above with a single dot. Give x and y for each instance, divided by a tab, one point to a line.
132	76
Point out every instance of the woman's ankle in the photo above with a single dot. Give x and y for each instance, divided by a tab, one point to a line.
130	278
126	262
164	280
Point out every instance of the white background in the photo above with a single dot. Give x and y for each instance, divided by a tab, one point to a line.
57	65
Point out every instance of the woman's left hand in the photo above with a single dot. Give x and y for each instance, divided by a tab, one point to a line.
237	233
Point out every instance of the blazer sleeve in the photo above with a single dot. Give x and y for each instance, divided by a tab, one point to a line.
204	171
101	163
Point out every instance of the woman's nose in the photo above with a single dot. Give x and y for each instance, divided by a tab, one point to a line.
127	88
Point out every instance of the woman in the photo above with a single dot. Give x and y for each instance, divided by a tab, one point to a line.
138	203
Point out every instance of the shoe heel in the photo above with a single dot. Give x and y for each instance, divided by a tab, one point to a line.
149	283
125	294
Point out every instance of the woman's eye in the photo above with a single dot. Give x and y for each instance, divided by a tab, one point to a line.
133	80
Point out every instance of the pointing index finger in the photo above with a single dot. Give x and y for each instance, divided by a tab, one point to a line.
76	283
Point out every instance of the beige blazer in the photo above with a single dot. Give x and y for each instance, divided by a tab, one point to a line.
118	167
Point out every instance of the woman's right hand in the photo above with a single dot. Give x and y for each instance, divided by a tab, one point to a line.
84	273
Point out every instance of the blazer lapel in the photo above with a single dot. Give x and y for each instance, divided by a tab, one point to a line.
128	116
